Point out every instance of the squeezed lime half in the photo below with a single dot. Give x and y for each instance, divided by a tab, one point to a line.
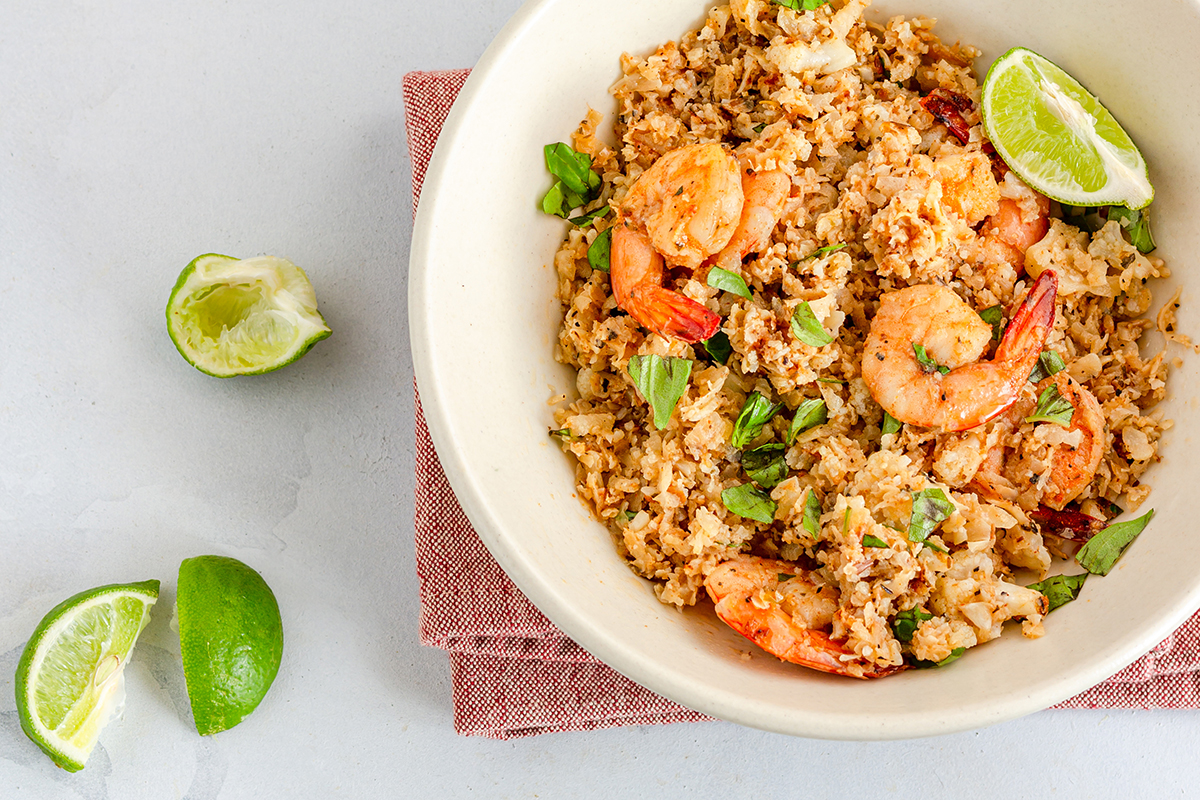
70	679
231	316
1058	137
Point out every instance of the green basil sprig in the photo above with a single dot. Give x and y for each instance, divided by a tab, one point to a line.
1052	407
1048	363
994	316
766	465
905	623
577	183
809	414
755	413
926	361
662	381
718	347
870	540
890	424
1136	224
930	507
600	250
812	513
807	328
728	281
1101	552
1060	589
750	502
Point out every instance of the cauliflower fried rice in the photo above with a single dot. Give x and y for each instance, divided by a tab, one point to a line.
883	195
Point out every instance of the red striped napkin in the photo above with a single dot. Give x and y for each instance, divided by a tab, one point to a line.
514	673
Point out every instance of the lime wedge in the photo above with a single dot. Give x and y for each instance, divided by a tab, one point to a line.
243	317
1058	137
70	680
231	639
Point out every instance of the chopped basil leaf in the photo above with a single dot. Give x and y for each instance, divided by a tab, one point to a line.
759	127
750	502
809	414
927	363
1060	590
807	328
820	251
728	281
812	513
1102	551
589	217
754	414
563	432
869	540
1136	224
1048	363
629	514
846	522
718	347
599	250
765	465
930	507
554	201
838	381
890	424
801	5
662	381
573	168
783	576
1087	218
955	655
1052	407
905	623
994	316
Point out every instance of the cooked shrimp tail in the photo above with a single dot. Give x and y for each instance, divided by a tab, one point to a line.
764	196
949	388
637	278
783	611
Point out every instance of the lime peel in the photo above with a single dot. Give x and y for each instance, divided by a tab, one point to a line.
70	680
1058	137
232	317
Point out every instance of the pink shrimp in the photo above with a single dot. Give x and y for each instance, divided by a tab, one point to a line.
784	610
953	337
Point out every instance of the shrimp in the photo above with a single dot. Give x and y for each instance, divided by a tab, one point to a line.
764	193
952	334
636	274
690	204
1021	221
784	611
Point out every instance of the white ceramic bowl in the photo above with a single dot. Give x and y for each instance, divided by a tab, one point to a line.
484	320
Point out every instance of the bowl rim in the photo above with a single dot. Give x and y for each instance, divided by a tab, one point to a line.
613	652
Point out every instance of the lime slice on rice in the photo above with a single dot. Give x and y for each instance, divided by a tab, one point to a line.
70	679
243	317
230	637
1058	137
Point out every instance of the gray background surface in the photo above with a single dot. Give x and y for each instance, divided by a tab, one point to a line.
136	135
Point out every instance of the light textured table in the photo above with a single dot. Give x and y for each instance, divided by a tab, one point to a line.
136	135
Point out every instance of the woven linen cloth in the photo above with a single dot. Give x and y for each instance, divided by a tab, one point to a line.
513	672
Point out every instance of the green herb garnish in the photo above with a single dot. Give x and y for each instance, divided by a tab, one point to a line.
994	316
1048	363
926	361
1102	551
820	251
800	5
766	465
718	347
890	424
838	381
812	513
728	281
809	414
564	433
629	515
577	184
589	217
662	381
1052	407
870	540
846	522
1060	590
905	623
750	502
955	655
1136	224
760	127
755	413
807	328
600	249
930	507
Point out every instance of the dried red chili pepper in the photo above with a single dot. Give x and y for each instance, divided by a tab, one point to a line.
948	107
